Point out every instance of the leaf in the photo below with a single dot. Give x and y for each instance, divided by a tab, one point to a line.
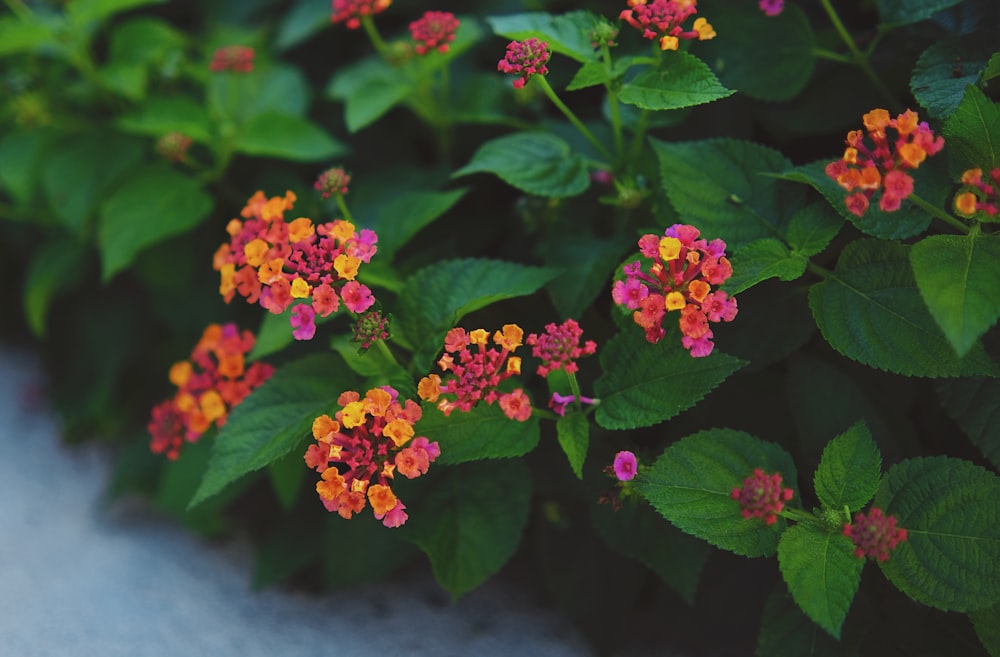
567	34
535	162
821	572
377	365
719	186
482	433
145	40
945	69
787	632
55	267
644	384
681	81
869	309
850	470
812	228
85	11
153	204
160	115
286	475
346	566
762	259
992	67
21	155
974	403
949	507
471	523
597	72
691	483
273	420
905	12
958	280
588	262
973	134
303	20
404	216
987	625
573	434
274	334
24	35
368	89
267	89
288	137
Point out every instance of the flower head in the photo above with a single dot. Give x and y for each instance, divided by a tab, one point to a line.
332	182
625	466
762	496
434	31
238	59
525	58
978	195
371	327
173	146
771	7
559	347
874	535
662	19
350	12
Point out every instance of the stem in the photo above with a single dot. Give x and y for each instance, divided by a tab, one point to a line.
18	7
938	213
369	24
343	208
831	55
797	515
385	351
574	387
568	113
640	134
616	118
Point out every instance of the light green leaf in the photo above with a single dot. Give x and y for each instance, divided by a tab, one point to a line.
56	266
368	89
945	69
595	73
762	259
145	40
535	162
973	134
904	12
992	67
85	11
573	434
567	34
287	136
974	403
681	81
482	433
377	365
20	35
691	485
950	509
850	470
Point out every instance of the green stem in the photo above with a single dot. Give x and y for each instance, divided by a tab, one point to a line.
797	515
368	23
343	208
568	113
574	387
385	351
640	135
938	213
831	55
616	118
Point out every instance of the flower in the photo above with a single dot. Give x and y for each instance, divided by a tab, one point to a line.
977	195
350	12
360	450
661	19
559	346
434	31
173	146
762	496
625	466
680	279
874	535
238	59
558	403
525	58
332	182
884	166
771	7
209	385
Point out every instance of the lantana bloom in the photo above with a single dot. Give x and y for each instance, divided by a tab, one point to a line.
625	465
238	59
434	31
209	385
558	403
474	375
173	146
350	12
762	496
360	450
277	263
771	7
681	278
978	195
662	19
332	182
526	59
865	170
874	535
559	347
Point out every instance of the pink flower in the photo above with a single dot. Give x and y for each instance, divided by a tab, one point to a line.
302	321
874	535
558	403
238	59
434	31
516	405
772	7
625	465
762	496
357	297
525	58
559	347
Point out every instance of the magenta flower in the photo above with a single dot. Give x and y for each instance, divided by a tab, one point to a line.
525	58
625	465
303	322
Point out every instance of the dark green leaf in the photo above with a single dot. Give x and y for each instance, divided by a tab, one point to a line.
53	268
904	12
535	162
587	262
346	566
812	228
944	70
482	433
987	625
145	40
567	34
973	133
787	632
403	217
594	73
682	80
287	475
368	89
303	20
573	433
974	403
21	154
274	334
992	67
178	482
850	470
762	259
287	136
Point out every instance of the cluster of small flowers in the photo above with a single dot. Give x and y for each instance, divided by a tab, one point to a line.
874	535
979	196
332	182
475	376
525	58
559	347
371	327
762	496
884	166
210	384
274	263
434	31
681	278
372	438
662	19
238	59
772	7
350	12
173	146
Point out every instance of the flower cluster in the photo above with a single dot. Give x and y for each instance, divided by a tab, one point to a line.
332	182
350	12
173	146
874	535
274	262
238	59
525	58
662	19
371	327
476	375
978	196
883	166
209	385
771	7
434	31
681	278
559	347
370	440
762	496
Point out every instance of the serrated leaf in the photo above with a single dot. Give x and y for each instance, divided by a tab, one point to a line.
535	162
368	89
288	137
470	524
595	73
786	631
974	403
849	471
482	433
587	262
992	67
904	12
958	279
812	228
720	186
691	483
644	384
821	572
945	69
987	625
403	217
573	434
681	81
376	364
155	203
973	134
273	420
763	259
949	507
56	266
567	34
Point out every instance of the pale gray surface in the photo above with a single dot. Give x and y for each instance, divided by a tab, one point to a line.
80	578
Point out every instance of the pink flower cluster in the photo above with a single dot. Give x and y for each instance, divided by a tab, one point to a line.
681	277
350	12
662	19
874	535
332	182
762	496
434	31
238	59
977	195
275	263
559	347
525	58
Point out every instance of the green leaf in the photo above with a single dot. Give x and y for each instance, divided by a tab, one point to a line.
274	334
275	89
987	625
153	204
904	12
303	20
145	40
573	433
368	89
973	134
691	483
950	509
56	266
958	279
682	80
870	310
287	475
588	262
160	115
644	384
974	403
470	524
482	433
346	566
787	632
288	137
20	35
762	259
945	69
85	11
719	186
597	72
992	67
567	34
377	365
850	470
535	162
404	216
821	572
274	420
21	154
812	228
